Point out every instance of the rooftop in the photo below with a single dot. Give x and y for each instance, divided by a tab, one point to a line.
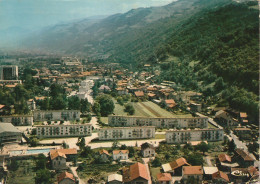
8	127
219	175
244	155
164	177
178	163
192	170
65	175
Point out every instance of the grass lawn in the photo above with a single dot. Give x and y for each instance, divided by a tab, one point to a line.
104	120
154	171
98	172
160	136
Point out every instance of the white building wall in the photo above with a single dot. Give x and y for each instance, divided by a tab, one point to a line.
182	136
18	120
194	122
126	133
56	115
64	130
120	156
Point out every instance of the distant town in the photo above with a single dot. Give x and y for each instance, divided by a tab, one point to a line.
69	120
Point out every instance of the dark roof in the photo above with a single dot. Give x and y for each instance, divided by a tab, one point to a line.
178	163
224	157
244	155
8	127
147	145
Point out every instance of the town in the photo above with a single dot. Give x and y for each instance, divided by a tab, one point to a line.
69	120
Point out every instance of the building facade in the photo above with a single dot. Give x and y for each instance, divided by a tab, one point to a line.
9	134
116	133
183	136
17	120
130	121
8	72
64	130
56	115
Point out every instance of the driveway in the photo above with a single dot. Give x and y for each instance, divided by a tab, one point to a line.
94	123
74	172
208	161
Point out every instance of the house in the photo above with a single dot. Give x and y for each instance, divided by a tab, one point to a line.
66	178
170	103
220	177
104	155
104	88
243	158
224	162
70	153
122	91
147	150
175	167
190	174
136	174
242	132
139	94
164	178
120	154
58	160
208	171
195	107
243	117
31	104
226	118
115	179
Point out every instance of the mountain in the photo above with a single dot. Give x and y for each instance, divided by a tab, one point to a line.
121	37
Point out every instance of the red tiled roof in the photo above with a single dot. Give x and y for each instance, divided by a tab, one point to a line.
178	163
224	157
65	175
243	115
139	93
252	171
170	101
164	177
151	94
1	106
220	174
115	152
244	155
191	170
72	151
57	154
138	170
103	151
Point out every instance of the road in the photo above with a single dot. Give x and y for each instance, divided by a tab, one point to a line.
208	161
74	172
94	123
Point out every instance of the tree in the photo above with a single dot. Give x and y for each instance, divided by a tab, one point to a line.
253	147
129	108
96	108
106	104
81	143
85	106
41	161
131	151
156	162
115	144
43	176
58	103
13	165
120	100
231	146
74	103
86	151
123	147
195	159
203	147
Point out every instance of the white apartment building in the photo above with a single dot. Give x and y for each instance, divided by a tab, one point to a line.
17	120
116	133
56	115
183	136
64	130
161	122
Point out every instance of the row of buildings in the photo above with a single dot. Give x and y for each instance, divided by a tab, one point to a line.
40	115
161	122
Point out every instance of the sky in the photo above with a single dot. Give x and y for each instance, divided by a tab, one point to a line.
35	14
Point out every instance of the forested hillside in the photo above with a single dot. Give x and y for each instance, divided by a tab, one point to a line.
217	53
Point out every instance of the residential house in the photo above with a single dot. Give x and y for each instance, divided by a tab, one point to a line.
71	153
226	118
66	178
195	107
170	103
136	174
243	133
192	174
220	177
115	179
58	160
164	178
122	91
147	150
208	171
175	167
224	162
243	158
104	88
120	154
243	118
139	94
104	155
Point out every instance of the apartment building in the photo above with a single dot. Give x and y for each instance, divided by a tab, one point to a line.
183	136
56	115
116	133
64	130
162	122
17	120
